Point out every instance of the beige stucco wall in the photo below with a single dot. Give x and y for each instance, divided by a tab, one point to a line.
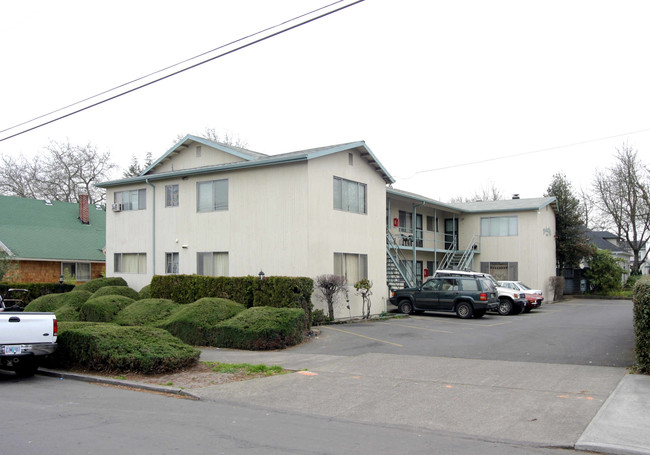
533	248
280	219
334	231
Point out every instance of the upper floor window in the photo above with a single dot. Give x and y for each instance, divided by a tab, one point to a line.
349	196
171	195
131	199
212	195
499	226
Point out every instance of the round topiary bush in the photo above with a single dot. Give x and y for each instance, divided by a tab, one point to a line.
110	347
193	322
146	312
97	283
145	292
117	290
46	303
67	313
260	328
104	308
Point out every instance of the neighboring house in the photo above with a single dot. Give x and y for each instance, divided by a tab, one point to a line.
210	209
510	239
48	240
604	240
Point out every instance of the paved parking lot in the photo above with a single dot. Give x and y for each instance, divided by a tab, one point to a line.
579	332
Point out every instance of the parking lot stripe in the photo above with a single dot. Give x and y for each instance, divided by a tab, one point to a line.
421	328
363	336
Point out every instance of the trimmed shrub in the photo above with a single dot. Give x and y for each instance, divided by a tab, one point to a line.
104	308
641	300
67	313
97	283
261	328
46	303
145	292
110	347
194	323
117	290
189	288
146	312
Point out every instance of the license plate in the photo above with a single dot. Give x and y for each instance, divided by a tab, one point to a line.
12	350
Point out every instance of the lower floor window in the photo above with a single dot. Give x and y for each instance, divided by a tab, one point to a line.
75	271
353	267
501	271
130	263
212	264
171	263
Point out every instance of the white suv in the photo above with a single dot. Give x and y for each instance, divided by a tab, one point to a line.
510	301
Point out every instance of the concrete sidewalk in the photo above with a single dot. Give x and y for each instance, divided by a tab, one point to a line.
591	408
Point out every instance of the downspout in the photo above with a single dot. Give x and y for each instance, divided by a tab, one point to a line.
153	228
435	238
414	242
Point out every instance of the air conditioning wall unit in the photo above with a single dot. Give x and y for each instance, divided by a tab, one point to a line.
117	207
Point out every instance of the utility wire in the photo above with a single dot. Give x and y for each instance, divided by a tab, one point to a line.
243	46
548	149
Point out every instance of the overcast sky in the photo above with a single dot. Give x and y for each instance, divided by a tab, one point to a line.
431	86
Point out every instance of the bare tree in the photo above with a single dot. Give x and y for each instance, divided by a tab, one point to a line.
623	194
59	174
487	193
226	138
330	286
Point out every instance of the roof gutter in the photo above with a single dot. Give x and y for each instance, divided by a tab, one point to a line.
153	227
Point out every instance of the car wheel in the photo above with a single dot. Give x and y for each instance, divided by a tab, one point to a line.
464	310
26	368
479	314
406	307
527	310
505	307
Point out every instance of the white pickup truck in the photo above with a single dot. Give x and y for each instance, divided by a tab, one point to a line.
25	338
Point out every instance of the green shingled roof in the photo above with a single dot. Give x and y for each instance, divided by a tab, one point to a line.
30	229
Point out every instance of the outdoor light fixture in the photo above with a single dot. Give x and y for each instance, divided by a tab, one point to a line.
261	275
60	279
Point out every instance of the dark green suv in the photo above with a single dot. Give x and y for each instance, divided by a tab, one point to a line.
467	296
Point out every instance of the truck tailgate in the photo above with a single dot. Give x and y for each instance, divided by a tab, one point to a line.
26	328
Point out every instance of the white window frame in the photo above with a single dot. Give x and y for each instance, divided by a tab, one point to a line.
212	258
172	263
171	195
131	199
74	270
350	196
499	226
344	265
216	200
140	261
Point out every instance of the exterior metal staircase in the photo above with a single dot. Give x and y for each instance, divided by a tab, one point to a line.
399	270
460	259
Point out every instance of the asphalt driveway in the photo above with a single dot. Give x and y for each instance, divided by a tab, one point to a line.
578	332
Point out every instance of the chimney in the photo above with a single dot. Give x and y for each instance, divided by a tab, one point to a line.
84	217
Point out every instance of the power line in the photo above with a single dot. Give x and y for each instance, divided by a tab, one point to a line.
243	46
548	149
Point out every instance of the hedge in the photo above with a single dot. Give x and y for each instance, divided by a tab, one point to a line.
52	302
97	283
194	323
261	328
280	292
641	298
117	290
104	308
110	347
146	312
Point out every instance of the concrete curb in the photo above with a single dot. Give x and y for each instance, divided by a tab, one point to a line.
117	382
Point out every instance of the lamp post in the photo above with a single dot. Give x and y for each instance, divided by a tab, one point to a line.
60	283
261	275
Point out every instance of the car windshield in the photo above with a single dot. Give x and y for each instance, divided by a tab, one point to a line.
495	283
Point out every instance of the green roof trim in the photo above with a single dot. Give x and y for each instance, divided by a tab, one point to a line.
32	229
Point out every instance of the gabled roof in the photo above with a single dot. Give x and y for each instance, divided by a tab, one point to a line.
416	198
507	205
31	229
599	239
252	159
